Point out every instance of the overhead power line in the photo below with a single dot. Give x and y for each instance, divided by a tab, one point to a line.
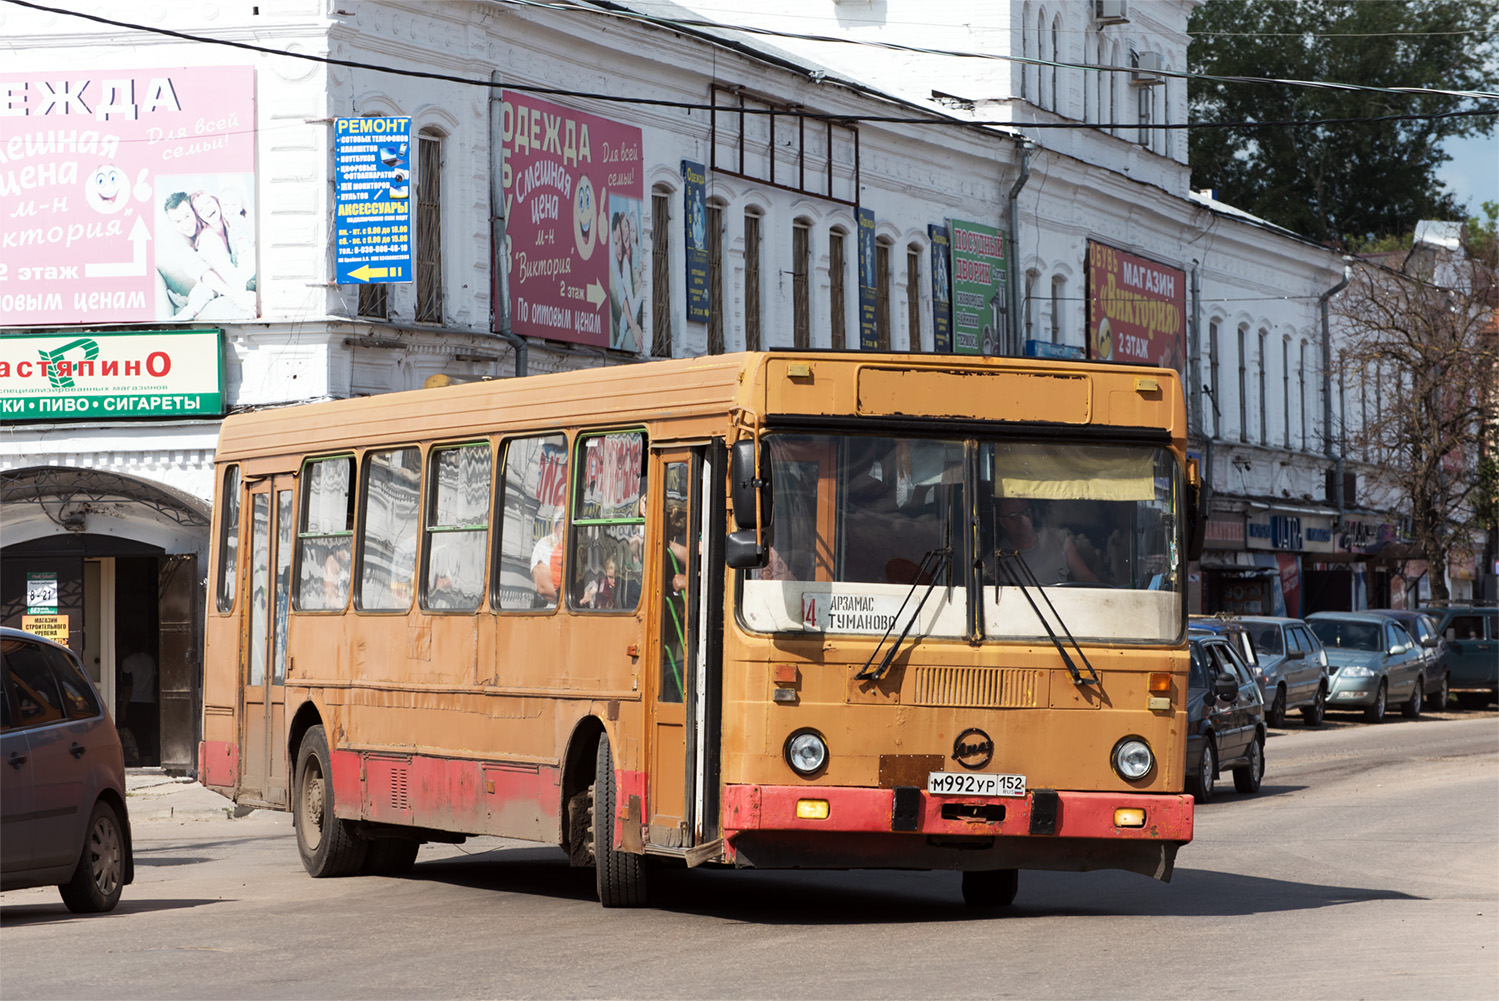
779	112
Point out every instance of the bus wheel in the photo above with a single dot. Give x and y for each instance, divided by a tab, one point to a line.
990	887
390	856
327	845
619	876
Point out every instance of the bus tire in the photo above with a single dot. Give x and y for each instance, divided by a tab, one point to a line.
390	856
619	876
328	845
992	888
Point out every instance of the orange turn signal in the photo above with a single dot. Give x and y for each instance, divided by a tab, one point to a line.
1129	817
1160	684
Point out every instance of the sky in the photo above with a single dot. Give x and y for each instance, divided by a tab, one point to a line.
1473	172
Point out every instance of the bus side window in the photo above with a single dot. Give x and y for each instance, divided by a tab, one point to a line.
530	505
229	540
457	527
325	536
608	523
388	531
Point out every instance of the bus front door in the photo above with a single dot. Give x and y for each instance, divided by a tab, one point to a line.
674	673
263	760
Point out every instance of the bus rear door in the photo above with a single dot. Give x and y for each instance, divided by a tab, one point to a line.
263	764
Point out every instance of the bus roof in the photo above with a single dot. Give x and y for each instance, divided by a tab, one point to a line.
711	385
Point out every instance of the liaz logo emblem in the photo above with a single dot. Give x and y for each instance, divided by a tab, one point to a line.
973	749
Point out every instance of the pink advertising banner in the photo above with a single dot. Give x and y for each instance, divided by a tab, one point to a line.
574	246
127	195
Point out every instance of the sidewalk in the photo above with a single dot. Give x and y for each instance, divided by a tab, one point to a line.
154	795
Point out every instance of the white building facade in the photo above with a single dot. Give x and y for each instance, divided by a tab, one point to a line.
816	179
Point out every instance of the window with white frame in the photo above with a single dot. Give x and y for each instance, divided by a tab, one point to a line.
1213	383
661	270
1243	382
801	284
837	289
1264	366
429	305
913	297
752	333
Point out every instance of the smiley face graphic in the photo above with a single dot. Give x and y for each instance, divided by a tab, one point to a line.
107	189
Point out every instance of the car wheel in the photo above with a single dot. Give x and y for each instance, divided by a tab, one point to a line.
1375	713
390	856
1439	697
100	875
990	887
1275	715
328	845
1412	706
1201	784
1312	714
1247	778
1472	700
619	876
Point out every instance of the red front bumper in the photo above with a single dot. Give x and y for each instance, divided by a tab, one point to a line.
1168	817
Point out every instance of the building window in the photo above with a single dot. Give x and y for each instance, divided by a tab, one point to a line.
1030	313
1264	335
660	273
752	281
1058	288
882	295
801	290
1056	31
1213	383
715	279
1285	387
1025	53
837	291
913	297
1243	383
374	301
1301	393
429	228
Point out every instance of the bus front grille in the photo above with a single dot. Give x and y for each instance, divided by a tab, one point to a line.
977	687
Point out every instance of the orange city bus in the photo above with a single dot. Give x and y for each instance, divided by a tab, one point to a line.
774	610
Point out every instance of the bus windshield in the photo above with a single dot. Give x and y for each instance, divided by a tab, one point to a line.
857	520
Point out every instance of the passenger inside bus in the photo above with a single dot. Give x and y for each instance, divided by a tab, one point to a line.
1048	549
546	565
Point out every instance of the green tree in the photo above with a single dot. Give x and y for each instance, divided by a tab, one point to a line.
1336	182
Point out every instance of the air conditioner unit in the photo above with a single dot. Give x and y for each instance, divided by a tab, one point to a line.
1147	70
1111	11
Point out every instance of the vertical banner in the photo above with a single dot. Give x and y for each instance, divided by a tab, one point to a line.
941	290
869	336
127	195
372	199
695	218
1136	309
980	281
573	246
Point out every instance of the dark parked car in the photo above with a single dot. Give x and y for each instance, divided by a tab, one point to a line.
1292	668
1225	718
1231	628
1435	651
1373	662
63	809
1472	636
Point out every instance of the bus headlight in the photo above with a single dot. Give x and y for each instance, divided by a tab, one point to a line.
1133	759
806	752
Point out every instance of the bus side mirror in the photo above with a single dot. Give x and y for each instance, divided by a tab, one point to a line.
742	551
745	484
1197	510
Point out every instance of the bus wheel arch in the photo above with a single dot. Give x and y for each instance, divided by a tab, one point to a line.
578	765
305	718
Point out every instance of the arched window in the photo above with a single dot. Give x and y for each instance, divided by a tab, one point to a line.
1028	320
1056	57
1301	393
1285	387
714	245
838	288
1213	383
801	285
752	338
913	297
882	293
1243	382
429	281
1025	53
661	271
1058	297
1264	336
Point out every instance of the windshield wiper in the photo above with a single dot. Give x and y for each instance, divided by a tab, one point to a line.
933	563
1018	572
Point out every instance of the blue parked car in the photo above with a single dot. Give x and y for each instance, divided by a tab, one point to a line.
1372	661
1472	635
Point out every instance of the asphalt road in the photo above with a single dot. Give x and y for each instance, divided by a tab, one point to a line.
1367	867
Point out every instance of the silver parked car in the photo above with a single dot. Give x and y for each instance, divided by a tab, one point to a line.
1435	652
1291	668
1373	662
62	800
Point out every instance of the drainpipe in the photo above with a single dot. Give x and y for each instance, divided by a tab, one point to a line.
1016	348
501	286
1337	472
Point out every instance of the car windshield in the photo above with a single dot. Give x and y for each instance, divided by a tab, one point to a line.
858	519
1267	639
1337	633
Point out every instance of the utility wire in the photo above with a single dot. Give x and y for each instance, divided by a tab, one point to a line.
780	111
